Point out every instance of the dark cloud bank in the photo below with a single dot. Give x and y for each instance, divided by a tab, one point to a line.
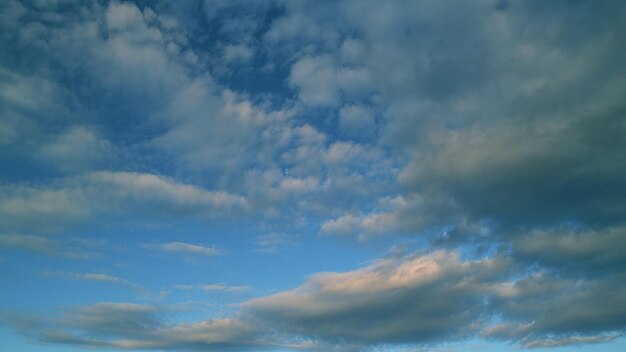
505	122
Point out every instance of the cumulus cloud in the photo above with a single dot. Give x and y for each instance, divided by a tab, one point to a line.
415	300
464	125
590	251
321	81
315	79
391	216
513	173
545	306
387	302
77	149
238	53
357	121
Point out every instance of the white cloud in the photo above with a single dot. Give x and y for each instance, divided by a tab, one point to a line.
570	340
394	216
214	287
97	277
238	53
77	149
352	51
78	199
357	121
164	191
42	245
273	241
185	248
315	79
122	15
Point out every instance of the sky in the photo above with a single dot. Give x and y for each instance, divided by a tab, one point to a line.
350	175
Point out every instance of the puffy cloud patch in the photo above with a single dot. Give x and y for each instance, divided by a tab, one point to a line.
390	301
320	81
77	149
357	122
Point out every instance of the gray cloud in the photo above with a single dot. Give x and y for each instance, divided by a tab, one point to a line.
591	252
138	326
534	175
419	300
416	300
544	306
496	124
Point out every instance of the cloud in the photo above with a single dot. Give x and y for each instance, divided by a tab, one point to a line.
315	79
387	302
77	149
69	201
357	122
506	135
544	306
31	243
584	251
573	340
238	53
398	215
321	81
272	242
136	326
511	173
42	245
413	300
167	192
186	248
97	277
215	287
32	109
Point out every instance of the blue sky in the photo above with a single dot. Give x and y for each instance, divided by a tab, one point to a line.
346	175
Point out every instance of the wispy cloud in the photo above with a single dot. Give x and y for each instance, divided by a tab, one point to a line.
272	242
185	248
214	287
73	200
96	277
42	245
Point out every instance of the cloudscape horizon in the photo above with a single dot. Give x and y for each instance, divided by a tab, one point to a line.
286	175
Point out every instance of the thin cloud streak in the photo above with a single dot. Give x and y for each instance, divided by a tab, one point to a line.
185	248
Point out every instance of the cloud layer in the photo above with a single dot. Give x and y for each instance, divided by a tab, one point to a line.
485	139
